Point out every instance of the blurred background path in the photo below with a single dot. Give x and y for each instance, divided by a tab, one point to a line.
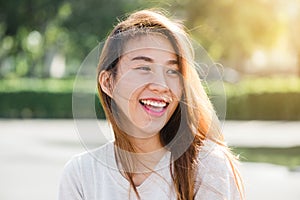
33	153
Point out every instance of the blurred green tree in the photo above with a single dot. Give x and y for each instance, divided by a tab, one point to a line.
34	33
21	42
230	30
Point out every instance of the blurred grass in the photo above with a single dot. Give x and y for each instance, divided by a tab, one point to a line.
261	85
43	85
246	86
289	157
36	85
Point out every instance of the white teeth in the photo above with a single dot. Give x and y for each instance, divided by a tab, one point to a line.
167	99
154	103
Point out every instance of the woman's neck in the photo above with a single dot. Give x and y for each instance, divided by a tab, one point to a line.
147	145
149	152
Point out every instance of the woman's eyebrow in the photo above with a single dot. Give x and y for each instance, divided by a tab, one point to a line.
172	62
144	58
147	59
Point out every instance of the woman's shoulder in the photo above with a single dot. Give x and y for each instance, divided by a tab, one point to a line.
215	176
210	150
92	157
81	169
215	158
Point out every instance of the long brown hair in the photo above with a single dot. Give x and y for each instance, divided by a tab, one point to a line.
194	119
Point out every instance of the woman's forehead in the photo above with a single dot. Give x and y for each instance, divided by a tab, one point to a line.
148	43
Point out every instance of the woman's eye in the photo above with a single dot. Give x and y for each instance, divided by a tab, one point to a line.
144	68
172	71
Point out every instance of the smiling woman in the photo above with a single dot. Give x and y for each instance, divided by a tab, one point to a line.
168	144
149	101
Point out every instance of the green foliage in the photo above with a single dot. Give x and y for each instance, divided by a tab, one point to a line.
251	99
231	30
36	85
281	156
22	26
264	99
33	33
36	105
28	104
252	85
264	106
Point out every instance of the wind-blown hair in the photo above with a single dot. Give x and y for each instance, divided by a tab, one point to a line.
194	119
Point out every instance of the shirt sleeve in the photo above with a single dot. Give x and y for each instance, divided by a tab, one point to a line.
70	187
215	178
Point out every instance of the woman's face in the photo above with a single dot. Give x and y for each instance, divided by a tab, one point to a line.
148	85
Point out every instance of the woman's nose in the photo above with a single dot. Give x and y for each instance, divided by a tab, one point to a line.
159	83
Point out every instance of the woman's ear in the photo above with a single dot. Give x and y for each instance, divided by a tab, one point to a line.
106	82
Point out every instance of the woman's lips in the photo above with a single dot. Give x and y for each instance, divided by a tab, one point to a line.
154	107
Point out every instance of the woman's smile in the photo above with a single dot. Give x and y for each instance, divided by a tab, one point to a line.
154	107
148	84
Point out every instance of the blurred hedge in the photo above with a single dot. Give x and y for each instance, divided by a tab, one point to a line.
264	98
28	104
263	106
250	99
